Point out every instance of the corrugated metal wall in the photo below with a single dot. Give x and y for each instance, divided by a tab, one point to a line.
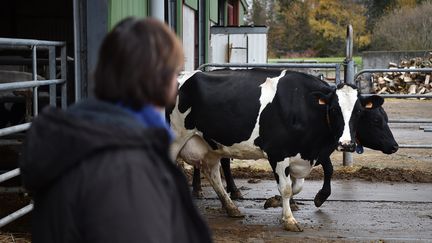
257	48
119	10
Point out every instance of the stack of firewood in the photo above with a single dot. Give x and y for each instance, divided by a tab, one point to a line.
404	82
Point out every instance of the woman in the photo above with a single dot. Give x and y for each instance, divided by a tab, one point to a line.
100	171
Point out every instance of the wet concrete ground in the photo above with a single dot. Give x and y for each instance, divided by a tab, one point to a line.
356	211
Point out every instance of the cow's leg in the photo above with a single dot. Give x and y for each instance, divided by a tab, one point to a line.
212	172
325	191
231	186
282	174
297	186
196	183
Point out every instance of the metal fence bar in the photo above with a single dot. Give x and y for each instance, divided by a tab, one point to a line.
12	190
425	127
419	146
52	75
13	216
336	66
14	129
63	76
410	121
389	70
404	96
34	46
29	84
35	89
12	42
271	65
10	174
400	95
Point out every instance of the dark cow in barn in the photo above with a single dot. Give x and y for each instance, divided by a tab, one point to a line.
372	132
290	118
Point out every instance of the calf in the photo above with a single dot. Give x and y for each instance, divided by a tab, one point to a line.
290	118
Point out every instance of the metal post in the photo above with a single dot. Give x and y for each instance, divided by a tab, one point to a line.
63	70
77	49
157	9
349	79
35	89
201	31
52	75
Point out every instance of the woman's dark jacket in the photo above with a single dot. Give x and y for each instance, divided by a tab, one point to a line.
98	175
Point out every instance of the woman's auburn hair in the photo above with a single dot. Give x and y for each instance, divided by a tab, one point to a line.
137	61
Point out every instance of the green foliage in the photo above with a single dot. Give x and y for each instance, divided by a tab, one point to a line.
290	30
318	27
329	20
258	13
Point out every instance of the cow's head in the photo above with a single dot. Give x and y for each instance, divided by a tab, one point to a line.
344	109
373	131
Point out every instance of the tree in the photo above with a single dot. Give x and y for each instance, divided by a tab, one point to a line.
261	12
405	28
290	31
258	13
329	24
377	8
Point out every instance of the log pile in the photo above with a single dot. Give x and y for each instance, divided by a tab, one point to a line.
404	82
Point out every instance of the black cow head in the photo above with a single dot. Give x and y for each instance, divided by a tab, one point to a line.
373	131
344	109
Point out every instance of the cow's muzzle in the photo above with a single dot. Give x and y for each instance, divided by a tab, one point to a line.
346	146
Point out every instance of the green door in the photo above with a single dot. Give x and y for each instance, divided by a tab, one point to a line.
120	9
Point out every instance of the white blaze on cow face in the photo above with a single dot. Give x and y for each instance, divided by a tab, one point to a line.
347	97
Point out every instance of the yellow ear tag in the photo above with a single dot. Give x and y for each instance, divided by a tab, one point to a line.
321	101
369	105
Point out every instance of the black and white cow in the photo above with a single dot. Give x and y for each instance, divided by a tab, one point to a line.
372	132
290	118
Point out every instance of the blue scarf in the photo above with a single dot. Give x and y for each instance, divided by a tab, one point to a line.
149	116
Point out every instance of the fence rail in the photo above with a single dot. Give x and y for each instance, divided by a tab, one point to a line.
52	82
403	96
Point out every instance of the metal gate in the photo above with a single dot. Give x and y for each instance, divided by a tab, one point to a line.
52	81
350	77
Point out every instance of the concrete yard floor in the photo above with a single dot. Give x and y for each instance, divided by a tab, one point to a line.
357	211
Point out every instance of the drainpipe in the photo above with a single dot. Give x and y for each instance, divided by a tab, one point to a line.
172	14
201	31
157	9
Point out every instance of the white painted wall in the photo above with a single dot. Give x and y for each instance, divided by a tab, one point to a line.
189	37
226	48
257	48
238	48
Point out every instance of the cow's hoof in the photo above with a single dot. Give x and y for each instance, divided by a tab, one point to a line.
235	213
198	194
320	198
294	207
236	195
292	226
273	202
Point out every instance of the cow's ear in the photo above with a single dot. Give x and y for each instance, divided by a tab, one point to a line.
372	102
319	98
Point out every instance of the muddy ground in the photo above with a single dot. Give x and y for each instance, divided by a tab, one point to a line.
407	165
